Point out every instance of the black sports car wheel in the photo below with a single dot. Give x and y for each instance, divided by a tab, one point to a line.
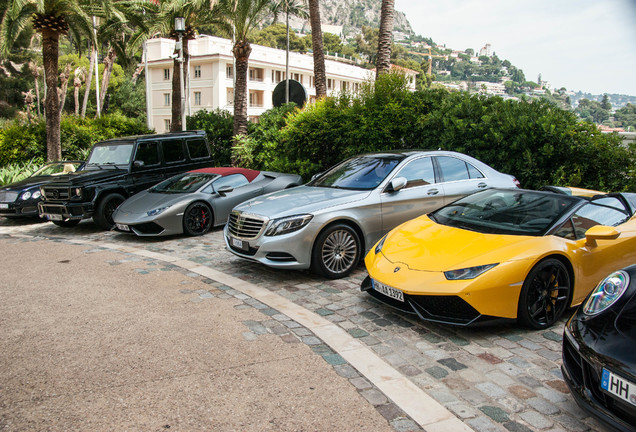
197	219
545	294
103	215
67	224
336	251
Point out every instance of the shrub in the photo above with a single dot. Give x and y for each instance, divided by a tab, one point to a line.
535	141
219	127
17	171
20	142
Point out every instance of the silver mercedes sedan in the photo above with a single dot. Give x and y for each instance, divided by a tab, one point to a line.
329	223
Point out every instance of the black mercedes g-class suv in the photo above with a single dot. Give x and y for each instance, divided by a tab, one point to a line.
117	169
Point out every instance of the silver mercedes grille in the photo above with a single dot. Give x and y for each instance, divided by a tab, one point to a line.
245	226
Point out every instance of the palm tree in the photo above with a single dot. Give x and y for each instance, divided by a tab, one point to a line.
196	14
383	60
320	75
239	18
51	18
80	75
122	31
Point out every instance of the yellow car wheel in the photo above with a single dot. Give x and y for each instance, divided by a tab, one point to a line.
545	294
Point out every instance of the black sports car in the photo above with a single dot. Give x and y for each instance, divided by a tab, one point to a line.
20	199
599	351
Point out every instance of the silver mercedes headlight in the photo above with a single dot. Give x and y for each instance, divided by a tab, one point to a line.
289	224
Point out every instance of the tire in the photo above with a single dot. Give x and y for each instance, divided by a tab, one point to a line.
67	224
103	216
336	252
197	219
545	294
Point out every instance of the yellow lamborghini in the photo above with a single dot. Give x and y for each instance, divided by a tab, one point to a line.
500	253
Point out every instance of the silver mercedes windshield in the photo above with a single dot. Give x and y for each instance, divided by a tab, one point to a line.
359	173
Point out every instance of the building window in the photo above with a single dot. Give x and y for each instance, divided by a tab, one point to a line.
197	98
296	77
167	123
256	98
166	99
230	96
345	86
166	74
253	119
329	84
229	71
197	71
256	74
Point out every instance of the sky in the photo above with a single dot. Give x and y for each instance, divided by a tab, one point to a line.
586	45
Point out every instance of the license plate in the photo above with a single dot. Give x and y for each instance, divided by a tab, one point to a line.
619	387
55	217
123	227
388	291
4	206
238	243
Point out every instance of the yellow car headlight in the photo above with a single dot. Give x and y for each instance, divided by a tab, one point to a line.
469	272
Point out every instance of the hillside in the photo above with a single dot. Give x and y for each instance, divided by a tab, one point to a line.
352	15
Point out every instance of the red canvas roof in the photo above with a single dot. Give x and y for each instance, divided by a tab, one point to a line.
225	171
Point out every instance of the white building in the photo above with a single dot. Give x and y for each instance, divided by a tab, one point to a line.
211	73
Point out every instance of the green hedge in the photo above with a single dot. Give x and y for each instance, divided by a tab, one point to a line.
218	126
21	142
533	140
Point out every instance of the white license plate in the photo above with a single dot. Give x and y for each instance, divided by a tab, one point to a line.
55	217
388	291
619	387
123	227
4	206
237	243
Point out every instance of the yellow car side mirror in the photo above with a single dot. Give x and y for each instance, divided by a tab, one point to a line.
600	232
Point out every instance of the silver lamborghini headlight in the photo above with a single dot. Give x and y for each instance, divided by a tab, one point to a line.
157	211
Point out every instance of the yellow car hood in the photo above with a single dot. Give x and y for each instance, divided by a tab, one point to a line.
422	244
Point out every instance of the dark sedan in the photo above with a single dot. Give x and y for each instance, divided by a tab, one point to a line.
20	199
599	359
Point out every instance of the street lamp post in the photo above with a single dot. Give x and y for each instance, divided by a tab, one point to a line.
179	27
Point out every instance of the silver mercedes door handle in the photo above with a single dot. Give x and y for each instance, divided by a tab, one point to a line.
482	185
432	192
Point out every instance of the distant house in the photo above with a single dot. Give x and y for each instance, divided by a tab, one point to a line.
210	83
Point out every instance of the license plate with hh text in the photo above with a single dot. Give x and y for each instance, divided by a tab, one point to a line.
388	291
4	206
618	387
54	217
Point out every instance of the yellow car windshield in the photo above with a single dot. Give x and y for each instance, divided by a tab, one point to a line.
502	211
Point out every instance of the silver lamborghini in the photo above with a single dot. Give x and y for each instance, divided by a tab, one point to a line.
331	221
195	201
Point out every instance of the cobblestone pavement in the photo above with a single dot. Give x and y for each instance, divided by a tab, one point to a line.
494	378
